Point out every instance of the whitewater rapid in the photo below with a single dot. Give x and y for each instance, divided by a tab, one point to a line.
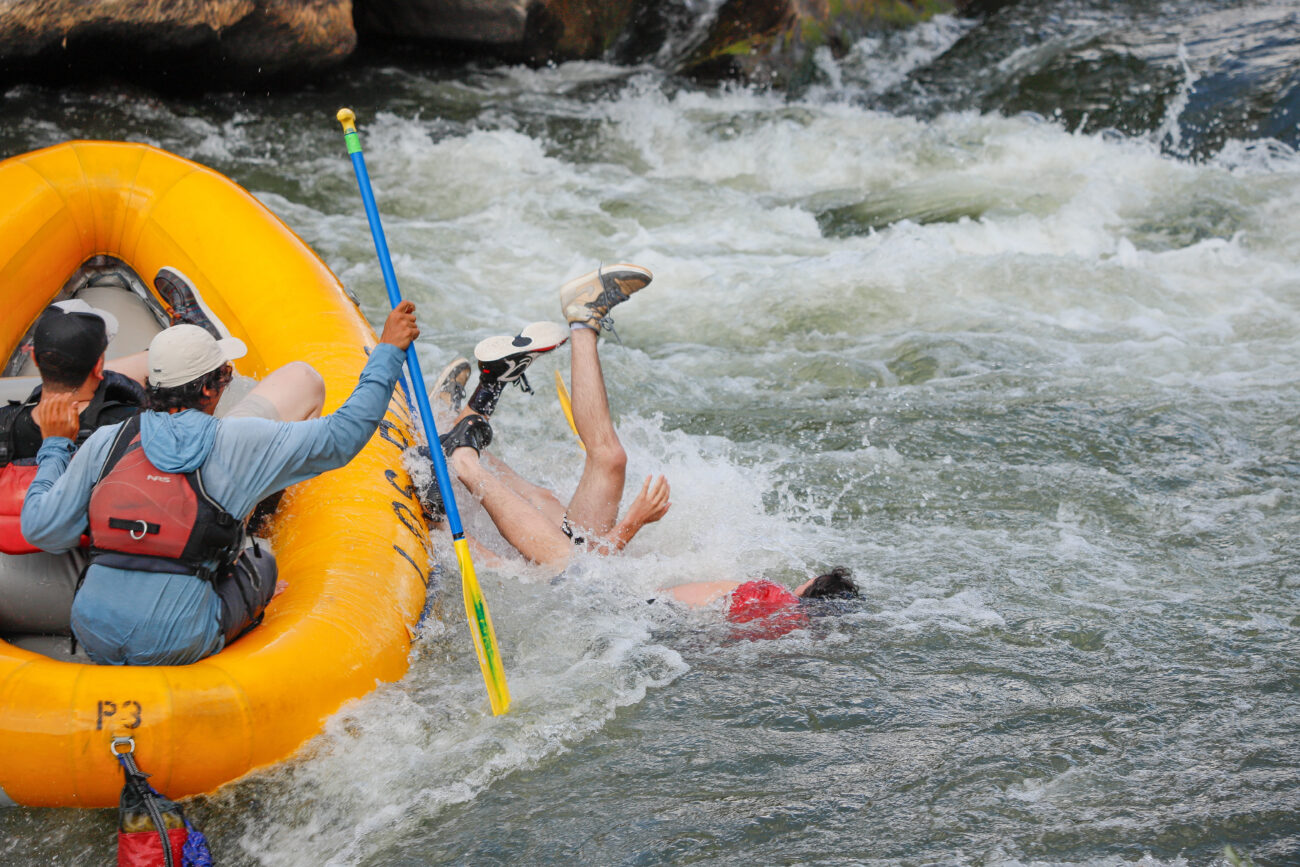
1034	385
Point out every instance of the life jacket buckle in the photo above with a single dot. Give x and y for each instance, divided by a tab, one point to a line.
142	532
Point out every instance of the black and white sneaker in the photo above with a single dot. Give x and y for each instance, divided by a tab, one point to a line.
503	360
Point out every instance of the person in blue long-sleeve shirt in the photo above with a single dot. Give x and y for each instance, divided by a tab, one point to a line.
126	616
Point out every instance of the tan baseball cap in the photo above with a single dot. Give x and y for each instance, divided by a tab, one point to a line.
185	352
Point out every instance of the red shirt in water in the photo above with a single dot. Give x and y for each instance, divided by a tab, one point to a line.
776	606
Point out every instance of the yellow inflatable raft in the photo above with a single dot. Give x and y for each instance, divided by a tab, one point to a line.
350	544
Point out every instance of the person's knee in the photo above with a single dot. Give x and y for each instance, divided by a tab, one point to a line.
297	390
610	456
309	380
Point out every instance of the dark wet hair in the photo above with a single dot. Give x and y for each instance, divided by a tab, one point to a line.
835	584
188	395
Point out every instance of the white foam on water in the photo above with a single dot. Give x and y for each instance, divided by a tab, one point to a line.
720	202
962	612
878	64
409	751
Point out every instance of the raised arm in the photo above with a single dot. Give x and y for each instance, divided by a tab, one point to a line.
274	455
650	505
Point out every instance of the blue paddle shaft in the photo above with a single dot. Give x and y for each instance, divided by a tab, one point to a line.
412	360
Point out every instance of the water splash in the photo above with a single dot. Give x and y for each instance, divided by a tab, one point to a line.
1169	134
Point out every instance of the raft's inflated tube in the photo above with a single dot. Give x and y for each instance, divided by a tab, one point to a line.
350	544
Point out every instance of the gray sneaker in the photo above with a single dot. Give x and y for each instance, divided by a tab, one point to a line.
185	304
587	300
449	388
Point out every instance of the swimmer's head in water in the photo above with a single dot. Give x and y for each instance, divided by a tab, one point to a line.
835	584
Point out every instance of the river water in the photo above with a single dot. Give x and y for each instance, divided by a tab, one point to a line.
1002	315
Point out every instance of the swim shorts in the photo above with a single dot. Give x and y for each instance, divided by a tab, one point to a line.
568	531
254	406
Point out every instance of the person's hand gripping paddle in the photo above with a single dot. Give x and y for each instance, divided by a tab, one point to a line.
480	622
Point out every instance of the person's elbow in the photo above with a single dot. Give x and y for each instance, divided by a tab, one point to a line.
43	533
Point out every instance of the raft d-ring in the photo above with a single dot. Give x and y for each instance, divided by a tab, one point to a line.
143	531
129	743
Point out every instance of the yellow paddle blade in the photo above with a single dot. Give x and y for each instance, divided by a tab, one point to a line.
480	628
567	406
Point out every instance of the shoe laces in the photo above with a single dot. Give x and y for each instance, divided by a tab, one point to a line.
610	296
456	396
522	382
606	323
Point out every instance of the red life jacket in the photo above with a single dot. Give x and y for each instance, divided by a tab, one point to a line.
143	518
15	479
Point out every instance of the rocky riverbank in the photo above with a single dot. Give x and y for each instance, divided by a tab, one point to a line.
199	44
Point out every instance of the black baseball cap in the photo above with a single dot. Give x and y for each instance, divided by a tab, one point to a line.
74	330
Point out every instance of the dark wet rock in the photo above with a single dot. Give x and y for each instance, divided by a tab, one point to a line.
199	44
204	41
577	29
758	40
534	31
773	41
481	22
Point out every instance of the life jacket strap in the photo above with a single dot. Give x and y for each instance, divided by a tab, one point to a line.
138	528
